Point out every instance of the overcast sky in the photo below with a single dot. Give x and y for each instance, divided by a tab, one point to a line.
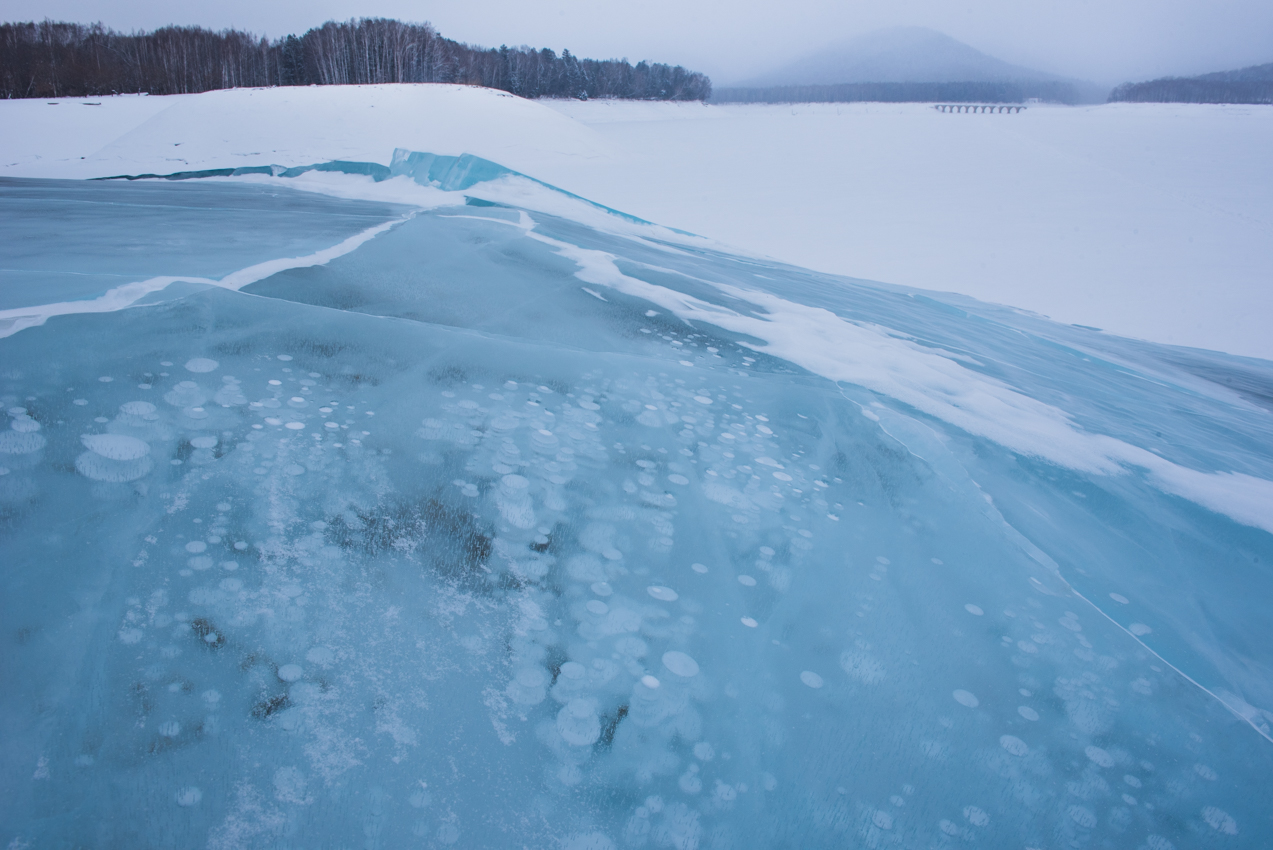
1107	41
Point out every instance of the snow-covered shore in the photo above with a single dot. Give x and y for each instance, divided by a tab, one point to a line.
1150	221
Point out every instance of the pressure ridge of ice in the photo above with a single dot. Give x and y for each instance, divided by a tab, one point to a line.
501	528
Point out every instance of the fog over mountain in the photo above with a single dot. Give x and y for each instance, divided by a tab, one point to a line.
897	55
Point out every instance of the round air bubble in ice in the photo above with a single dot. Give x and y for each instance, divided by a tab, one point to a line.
528	686
1014	745
973	609
1098	756
290	672
680	664
749	622
678	479
698	568
97	468
320	655
170	729
602	588
577	723
21	442
747	581
204	442
189	796
295	426
573	670
649	681
1119	598
811	679
201	364
137	408
589	841
596	606
1027	712
24	425
966	698
663	594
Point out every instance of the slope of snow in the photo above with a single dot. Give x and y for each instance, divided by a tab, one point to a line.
1150	221
286	126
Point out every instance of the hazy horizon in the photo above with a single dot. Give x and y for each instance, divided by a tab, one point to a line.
1129	40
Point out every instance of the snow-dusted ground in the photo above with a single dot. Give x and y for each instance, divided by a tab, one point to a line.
1150	221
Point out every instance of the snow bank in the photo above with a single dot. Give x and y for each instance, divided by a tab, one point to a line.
285	126
1147	220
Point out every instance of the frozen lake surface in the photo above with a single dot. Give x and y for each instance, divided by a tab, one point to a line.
504	528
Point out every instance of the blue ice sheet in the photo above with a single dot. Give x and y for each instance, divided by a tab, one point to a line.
440	545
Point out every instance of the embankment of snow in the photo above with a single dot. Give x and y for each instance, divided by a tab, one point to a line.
288	126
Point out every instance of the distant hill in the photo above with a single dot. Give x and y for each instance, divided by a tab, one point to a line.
1253	84
916	63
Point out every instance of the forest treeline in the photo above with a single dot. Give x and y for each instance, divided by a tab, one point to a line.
971	92
75	60
1245	85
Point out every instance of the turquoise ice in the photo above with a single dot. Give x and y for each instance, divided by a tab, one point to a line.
504	530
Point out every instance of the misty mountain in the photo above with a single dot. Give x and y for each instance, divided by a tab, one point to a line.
1253	84
898	55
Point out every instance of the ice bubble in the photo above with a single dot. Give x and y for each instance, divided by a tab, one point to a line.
26	425
189	796
704	751
320	655
631	646
973	609
528	686
290	672
1027	712
1014	745
1119	598
649	681
663	594
1139	629
212	697
749	622
1082	816
782	476
698	568
589	841
21	442
811	679
976	816
1220	820
573	670
201	364
612	554
966	698
285	357
1132	781
702	399
170	729
602	588
1098	756
196	546
295	426
680	664
137	408
882	819
204	442
747	581
596	606
577	723
200	562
